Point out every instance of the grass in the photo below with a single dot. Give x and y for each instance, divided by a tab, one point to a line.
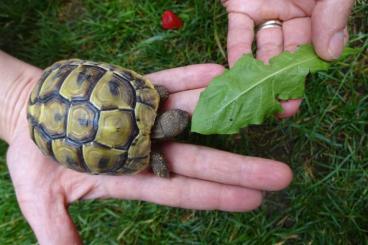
325	144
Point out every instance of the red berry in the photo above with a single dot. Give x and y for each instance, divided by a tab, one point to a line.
171	21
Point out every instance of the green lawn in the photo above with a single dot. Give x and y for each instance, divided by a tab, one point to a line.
325	144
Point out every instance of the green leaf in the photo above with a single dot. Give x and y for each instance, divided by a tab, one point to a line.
250	91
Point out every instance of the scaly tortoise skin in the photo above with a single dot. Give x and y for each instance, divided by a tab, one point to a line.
97	118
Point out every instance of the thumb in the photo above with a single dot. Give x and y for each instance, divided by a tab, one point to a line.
329	20
50	222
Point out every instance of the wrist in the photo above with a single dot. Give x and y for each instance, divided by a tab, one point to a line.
16	82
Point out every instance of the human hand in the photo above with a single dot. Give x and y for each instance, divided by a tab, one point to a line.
324	23
202	178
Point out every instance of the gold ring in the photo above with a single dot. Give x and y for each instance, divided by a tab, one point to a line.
269	24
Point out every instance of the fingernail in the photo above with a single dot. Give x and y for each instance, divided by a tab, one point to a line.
336	45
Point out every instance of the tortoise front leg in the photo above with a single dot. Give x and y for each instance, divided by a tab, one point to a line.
162	92
170	124
158	165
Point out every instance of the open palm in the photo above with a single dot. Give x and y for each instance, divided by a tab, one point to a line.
202	178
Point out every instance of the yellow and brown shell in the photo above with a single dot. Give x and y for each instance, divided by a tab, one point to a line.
93	117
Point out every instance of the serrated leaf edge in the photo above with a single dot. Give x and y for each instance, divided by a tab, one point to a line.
261	81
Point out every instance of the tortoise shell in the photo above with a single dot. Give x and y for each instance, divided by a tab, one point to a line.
93	117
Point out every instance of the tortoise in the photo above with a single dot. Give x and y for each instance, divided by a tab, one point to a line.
100	118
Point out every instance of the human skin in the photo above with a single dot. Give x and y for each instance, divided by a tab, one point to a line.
202	178
320	22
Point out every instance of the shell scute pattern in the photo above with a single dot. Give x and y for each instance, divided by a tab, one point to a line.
93	117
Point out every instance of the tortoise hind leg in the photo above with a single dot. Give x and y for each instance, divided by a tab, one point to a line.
159	166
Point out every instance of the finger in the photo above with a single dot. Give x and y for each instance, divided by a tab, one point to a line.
329	20
261	11
219	166
296	32
49	220
187	101
186	77
180	191
240	36
290	108
269	43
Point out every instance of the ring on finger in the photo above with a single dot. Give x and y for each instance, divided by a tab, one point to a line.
269	24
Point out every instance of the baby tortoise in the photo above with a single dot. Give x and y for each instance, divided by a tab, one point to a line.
99	118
